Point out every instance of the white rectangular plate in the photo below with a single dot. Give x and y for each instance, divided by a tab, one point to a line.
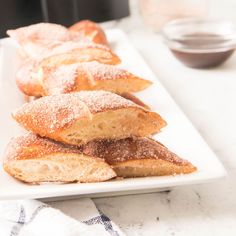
180	136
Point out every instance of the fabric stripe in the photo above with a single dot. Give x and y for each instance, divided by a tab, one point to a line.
35	213
107	224
20	223
103	220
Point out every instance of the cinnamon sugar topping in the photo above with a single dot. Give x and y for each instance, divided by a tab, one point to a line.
104	72
98	101
66	78
114	151
52	113
60	80
31	146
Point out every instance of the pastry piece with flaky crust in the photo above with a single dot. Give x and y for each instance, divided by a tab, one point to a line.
91	30
78	118
89	76
31	83
32	89
138	157
33	159
35	79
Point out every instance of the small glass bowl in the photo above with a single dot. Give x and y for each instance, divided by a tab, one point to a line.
200	43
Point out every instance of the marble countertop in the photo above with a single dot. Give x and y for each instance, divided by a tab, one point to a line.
208	98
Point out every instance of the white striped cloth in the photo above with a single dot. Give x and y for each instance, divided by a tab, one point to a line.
34	218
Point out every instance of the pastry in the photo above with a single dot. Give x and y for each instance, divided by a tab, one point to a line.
138	157
42	40
32	159
88	76
30	82
78	118
91	30
82	136
35	79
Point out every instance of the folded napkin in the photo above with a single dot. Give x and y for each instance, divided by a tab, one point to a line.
34	218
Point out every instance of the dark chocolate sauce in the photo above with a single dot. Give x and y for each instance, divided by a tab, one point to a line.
199	50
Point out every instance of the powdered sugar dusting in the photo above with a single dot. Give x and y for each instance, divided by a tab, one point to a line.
104	72
46	31
31	146
27	81
24	72
50	114
72	45
98	101
40	31
66	78
60	80
46	39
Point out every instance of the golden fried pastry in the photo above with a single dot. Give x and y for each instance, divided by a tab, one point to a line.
88	76
138	157
91	30
42	40
78	118
56	81
29	77
32	159
39	40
